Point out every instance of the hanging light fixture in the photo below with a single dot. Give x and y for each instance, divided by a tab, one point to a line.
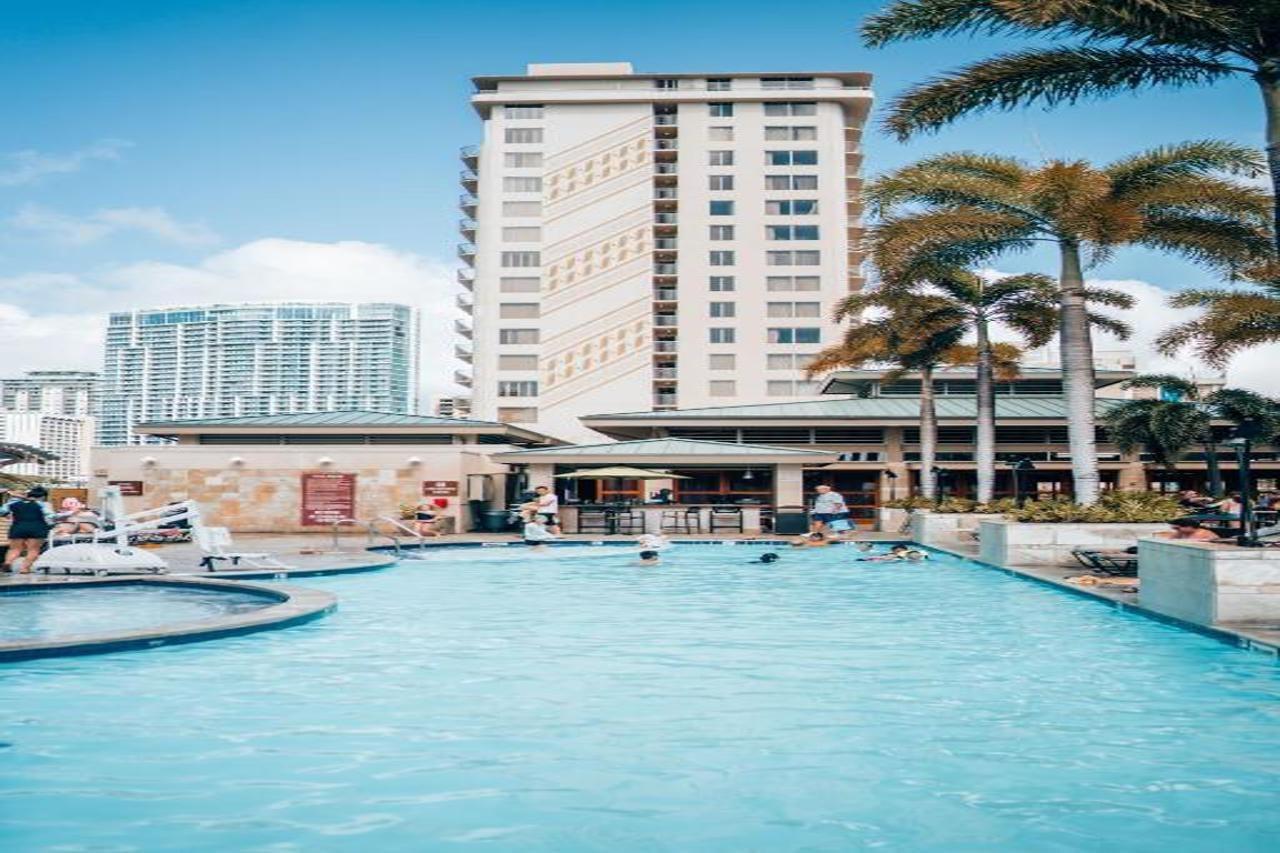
749	475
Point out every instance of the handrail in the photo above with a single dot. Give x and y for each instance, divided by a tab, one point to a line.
335	525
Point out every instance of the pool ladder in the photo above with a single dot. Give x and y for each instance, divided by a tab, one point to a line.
373	533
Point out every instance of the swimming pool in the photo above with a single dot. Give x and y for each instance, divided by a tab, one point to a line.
43	613
708	704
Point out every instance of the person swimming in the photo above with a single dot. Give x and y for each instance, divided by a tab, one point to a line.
766	558
649	558
896	554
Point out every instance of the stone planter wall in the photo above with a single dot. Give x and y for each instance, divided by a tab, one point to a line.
945	528
1021	543
890	519
1210	584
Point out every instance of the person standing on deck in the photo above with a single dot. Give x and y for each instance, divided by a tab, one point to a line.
548	509
827	506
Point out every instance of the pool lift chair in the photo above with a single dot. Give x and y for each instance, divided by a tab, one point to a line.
214	542
107	551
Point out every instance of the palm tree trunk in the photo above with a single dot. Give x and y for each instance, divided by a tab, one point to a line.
985	450
1270	85
1077	374
928	434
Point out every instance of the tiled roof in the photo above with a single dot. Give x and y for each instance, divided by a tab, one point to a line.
667	447
331	419
865	408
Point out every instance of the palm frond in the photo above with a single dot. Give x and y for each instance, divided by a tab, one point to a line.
1185	387
1110	325
1221	242
1109	297
914	19
1156	167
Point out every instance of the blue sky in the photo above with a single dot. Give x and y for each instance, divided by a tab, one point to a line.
173	131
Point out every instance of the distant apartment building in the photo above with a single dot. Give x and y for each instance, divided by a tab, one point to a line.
60	392
452	407
204	361
655	241
68	436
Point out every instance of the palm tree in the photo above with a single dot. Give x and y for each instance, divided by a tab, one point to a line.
895	335
1026	304
1118	46
1181	418
1233	320
966	210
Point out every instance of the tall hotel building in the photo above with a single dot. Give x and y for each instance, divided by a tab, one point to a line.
206	361
654	241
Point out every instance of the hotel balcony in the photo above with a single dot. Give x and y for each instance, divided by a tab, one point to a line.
665	198
665	223
467	278
462	378
665	149
467	251
665	321
665	400
665	347
666	126
470	155
467	227
665	294
665	374
468	203
462	353
464	303
665	273
470	180
462	328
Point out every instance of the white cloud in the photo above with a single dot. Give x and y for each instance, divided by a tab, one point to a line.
152	221
56	320
29	166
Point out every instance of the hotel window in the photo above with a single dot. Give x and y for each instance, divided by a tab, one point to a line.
721	335
522	208
791	207
721	208
791	108
786	82
721	258
722	388
720	134
787	361
721	232
793	259
803	335
517	362
522	111
791	182
789	388
794	309
666	83
723	309
722	361
780	283
518	311
522	159
790	133
720	158
522	185
720	182
723	284
521	235
719	84
521	259
791	232
517	414
523	135
519	285
521	388
791	158
720	110
517	336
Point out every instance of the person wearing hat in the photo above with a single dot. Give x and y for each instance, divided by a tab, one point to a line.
31	515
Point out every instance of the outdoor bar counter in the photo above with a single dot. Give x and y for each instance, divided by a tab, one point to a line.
652	515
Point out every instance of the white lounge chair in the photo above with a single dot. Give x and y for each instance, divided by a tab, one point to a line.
215	542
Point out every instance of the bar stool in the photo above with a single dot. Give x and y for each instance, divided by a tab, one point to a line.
687	520
726	518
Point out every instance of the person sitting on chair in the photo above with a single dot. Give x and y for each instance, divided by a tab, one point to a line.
1188	529
425	519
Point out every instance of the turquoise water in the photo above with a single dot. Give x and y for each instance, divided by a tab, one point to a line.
706	704
43	613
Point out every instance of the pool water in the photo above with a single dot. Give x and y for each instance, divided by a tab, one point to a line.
706	704
39	614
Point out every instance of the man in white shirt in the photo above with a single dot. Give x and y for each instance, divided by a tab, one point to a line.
548	508
827	506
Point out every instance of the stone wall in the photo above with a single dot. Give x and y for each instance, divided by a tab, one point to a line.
945	528
1021	543
1210	584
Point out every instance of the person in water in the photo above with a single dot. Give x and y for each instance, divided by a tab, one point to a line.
766	558
811	540
649	558
896	554
31	516
536	534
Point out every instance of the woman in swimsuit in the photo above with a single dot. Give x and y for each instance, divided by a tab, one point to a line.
31	515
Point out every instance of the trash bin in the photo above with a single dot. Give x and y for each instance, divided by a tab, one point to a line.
790	520
496	520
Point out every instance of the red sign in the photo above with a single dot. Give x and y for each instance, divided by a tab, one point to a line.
327	497
440	488
128	488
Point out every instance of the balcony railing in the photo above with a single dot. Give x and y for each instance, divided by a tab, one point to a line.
664	399
462	328
665	219
463	379
665	320
666	168
666	144
665	294
665	347
468	203
467	227
665	269
665	194
665	372
467	278
463	303
470	180
467	251
669	244
462	353
664	120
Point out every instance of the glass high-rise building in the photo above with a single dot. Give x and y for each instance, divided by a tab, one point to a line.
204	361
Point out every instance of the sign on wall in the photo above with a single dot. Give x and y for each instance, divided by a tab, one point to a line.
327	497
128	488
440	488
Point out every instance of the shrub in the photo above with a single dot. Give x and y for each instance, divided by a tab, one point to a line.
1112	507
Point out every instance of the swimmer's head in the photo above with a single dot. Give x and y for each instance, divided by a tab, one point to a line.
899	549
648	555
864	546
917	556
768	557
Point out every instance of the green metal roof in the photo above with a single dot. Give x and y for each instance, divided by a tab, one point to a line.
331	419
864	408
673	447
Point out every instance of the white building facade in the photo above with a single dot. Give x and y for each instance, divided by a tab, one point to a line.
62	392
204	361
654	241
68	436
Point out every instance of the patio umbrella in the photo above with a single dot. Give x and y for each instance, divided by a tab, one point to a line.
619	472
